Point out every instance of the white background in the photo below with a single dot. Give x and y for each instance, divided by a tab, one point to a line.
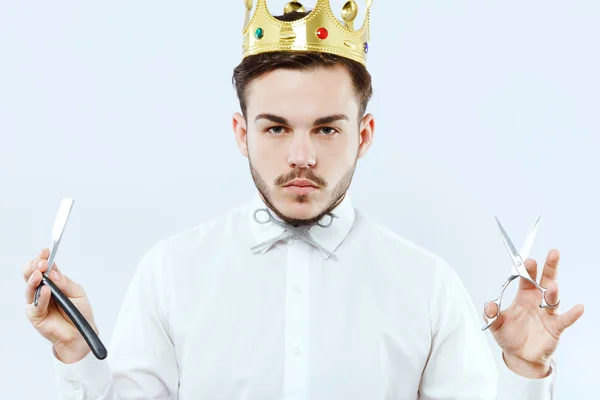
483	109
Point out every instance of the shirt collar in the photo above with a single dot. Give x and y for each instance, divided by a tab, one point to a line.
330	238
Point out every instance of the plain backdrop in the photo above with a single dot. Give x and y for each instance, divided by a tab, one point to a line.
483	109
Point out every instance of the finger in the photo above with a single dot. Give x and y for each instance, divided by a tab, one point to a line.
66	285
552	297
39	312
34	281
550	272
531	267
569	318
33	264
41	266
490	310
44	254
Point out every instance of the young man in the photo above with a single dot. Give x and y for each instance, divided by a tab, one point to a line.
296	294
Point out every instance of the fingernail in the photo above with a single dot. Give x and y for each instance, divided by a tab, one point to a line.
40	264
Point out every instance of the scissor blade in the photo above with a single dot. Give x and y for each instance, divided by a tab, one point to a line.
526	249
518	262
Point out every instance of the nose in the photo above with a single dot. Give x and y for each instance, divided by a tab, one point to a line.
302	152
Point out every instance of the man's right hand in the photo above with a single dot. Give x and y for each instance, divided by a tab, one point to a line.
48	318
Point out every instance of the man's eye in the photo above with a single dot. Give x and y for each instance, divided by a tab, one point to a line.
276	130
328	131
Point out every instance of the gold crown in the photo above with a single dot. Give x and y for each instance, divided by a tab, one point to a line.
319	31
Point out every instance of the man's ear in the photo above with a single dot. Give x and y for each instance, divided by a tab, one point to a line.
240	131
367	131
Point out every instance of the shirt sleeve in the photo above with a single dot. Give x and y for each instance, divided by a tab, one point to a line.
141	361
460	363
514	386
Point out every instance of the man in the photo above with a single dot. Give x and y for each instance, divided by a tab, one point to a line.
296	294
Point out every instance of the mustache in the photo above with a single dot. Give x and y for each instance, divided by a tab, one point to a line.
300	174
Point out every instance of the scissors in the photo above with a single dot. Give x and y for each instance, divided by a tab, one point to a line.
300	232
518	270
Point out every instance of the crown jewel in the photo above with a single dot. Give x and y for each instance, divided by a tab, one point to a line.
319	31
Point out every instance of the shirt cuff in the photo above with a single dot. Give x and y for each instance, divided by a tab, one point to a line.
87	378
521	387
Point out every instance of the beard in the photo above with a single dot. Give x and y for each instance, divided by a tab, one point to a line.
337	194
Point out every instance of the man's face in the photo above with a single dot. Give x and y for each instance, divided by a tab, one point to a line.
303	138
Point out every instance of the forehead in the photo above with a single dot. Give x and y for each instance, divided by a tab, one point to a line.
303	95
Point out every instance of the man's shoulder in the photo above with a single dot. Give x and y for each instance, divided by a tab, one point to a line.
399	250
211	231
398	246
389	237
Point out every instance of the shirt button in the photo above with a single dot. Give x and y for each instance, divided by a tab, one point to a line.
76	385
298	288
296	350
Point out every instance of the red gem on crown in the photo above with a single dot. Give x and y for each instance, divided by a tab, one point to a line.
322	33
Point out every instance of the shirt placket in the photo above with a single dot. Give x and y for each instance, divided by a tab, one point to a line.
297	317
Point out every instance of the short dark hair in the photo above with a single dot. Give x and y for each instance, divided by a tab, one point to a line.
254	66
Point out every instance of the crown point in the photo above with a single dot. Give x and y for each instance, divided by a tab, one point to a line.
322	33
259	33
350	11
293	6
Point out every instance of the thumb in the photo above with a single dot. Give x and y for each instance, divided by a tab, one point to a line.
490	310
66	285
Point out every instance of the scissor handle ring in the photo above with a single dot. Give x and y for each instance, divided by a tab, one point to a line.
497	303
489	323
266	211
544	302
331	218
546	305
490	320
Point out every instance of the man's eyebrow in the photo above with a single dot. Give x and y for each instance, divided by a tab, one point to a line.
272	118
319	121
331	118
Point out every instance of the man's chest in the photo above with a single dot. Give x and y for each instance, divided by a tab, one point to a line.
301	329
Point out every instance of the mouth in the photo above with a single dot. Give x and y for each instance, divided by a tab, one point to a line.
301	186
301	183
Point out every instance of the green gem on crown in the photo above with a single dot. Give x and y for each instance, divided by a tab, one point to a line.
259	33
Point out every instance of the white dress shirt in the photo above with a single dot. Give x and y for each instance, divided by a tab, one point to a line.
207	318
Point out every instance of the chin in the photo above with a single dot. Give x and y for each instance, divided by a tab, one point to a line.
298	206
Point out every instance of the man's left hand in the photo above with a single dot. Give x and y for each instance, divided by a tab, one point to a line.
528	334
